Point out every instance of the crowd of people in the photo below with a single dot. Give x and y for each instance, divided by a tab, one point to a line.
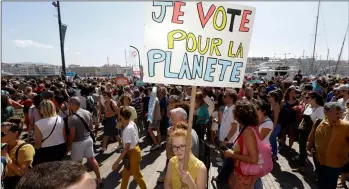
247	127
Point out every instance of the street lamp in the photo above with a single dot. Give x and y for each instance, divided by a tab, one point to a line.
56	4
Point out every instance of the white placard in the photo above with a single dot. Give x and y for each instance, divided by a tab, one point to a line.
151	105
196	43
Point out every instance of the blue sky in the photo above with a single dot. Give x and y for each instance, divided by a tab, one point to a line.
97	30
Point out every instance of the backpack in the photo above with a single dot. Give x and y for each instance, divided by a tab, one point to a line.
265	162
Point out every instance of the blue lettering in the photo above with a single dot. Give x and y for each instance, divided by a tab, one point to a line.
225	64
210	61
185	68
163	5
235	73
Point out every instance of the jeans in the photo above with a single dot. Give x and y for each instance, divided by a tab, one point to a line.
227	168
272	139
258	184
328	177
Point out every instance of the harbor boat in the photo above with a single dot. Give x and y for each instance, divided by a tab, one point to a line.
270	69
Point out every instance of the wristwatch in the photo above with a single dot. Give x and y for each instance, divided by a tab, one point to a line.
226	139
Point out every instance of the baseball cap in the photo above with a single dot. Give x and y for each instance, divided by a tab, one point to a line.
342	88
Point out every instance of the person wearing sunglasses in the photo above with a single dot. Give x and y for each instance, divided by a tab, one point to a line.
18	154
312	112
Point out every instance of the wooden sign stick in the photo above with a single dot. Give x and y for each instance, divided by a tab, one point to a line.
190	126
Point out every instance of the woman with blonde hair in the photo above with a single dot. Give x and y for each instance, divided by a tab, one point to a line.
195	176
50	136
125	101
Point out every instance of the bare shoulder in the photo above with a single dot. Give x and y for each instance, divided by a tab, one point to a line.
202	167
248	132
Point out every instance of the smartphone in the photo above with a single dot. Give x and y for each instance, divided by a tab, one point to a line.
224	148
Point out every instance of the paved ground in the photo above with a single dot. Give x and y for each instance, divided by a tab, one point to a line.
152	163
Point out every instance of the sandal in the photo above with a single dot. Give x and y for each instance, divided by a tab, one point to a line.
299	170
216	180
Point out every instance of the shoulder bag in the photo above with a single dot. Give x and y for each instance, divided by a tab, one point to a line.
86	127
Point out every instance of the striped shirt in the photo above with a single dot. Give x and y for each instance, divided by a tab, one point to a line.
136	103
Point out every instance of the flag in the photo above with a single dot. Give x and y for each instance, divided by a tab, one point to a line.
135	59
64	29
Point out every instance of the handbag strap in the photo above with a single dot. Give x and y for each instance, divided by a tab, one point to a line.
51	131
83	121
241	131
17	150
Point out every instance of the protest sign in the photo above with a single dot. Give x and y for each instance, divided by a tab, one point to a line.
139	83
121	81
151	106
196	43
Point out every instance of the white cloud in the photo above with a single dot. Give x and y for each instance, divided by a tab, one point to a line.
31	43
77	53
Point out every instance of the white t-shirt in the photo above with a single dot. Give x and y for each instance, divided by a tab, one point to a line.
46	125
315	113
227	120
130	135
210	104
82	102
341	102
214	126
267	124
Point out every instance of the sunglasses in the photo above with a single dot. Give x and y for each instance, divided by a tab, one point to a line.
307	97
3	134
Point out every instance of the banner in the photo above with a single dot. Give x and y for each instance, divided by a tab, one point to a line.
64	30
139	83
151	106
196	43
135	59
122	81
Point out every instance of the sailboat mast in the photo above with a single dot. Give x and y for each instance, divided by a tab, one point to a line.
340	53
125	58
329	66
317	21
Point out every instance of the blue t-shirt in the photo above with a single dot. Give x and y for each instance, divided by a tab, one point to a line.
270	88
329	97
203	113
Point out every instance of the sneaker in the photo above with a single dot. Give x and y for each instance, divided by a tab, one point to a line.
275	158
219	159
161	178
154	147
220	163
299	170
101	149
